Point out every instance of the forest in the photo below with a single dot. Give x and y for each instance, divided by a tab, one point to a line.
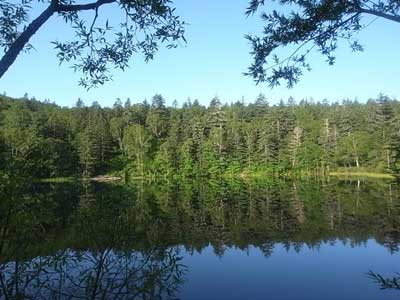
39	139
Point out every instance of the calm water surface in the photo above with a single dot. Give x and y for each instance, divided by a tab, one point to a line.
200	240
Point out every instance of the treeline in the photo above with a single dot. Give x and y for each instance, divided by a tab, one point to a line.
42	139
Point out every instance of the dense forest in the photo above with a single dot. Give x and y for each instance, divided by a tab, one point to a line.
42	139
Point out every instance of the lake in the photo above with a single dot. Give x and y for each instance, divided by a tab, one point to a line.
253	239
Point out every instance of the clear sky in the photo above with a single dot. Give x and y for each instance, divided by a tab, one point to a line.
210	64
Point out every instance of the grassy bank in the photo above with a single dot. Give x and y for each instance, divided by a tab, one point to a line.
337	173
58	179
247	175
362	174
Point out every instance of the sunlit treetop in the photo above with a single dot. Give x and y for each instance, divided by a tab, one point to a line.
99	44
309	25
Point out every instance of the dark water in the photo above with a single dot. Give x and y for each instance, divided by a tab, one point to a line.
196	240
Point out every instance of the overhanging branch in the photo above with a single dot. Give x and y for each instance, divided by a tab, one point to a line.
394	18
18	45
81	7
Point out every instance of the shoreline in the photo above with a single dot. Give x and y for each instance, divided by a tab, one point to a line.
242	175
363	174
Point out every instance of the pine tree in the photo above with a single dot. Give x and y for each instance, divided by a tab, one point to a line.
118	109
87	150
261	106
187	156
137	143
251	141
197	138
269	142
327	140
117	127
385	119
157	118
217	124
136	114
294	145
99	125
127	104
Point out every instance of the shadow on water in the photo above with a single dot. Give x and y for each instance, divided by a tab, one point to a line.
98	241
385	283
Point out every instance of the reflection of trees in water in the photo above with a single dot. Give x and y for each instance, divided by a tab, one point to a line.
257	213
108	274
98	261
101	224
385	282
223	214
390	240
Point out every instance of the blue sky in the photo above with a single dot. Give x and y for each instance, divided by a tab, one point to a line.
210	64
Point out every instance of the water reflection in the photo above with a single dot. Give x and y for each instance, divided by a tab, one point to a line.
84	253
85	241
106	274
385	283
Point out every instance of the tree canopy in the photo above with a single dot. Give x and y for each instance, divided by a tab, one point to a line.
99	43
307	25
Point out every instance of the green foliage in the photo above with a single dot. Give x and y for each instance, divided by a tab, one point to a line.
44	140
87	149
306	26
137	143
99	43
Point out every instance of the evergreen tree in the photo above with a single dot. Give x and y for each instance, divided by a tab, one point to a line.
217	122
294	145
137	143
384	122
157	118
88	151
327	140
117	127
127	104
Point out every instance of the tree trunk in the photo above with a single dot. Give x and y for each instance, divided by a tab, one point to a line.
18	45
357	162
388	158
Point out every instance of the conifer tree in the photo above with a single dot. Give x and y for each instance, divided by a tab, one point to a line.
137	143
385	121
217	124
87	152
157	117
294	145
